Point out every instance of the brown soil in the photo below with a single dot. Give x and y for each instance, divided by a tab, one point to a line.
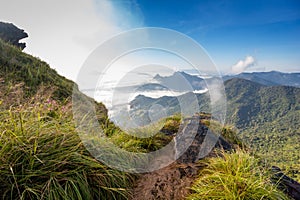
169	183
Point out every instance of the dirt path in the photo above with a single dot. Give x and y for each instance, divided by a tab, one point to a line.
169	183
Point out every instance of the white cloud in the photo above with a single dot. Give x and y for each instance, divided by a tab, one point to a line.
243	65
63	33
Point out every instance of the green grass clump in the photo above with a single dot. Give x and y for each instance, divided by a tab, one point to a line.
172	124
237	175
142	145
154	136
42	157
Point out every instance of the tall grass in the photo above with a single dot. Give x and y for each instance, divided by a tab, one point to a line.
142	145
131	140
234	176
42	157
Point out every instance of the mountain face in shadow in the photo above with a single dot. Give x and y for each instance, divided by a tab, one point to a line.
12	34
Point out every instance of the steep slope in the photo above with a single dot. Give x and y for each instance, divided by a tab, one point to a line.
42	157
18	67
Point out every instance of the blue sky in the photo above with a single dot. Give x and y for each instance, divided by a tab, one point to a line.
239	35
269	31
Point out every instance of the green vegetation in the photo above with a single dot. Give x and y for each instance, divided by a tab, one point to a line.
42	157
227	131
269	121
41	154
234	176
17	67
131	141
277	149
143	145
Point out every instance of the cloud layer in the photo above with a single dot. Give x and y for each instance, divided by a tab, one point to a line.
243	65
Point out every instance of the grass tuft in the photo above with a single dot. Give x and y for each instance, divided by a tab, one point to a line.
234	176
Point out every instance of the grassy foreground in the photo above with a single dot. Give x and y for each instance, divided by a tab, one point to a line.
42	157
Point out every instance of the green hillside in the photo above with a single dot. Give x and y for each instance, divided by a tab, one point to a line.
18	67
268	119
252	104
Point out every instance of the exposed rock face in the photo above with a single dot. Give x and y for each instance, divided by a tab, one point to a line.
12	34
289	186
199	140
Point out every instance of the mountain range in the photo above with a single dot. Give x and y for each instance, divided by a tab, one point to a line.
271	78
178	81
264	109
248	102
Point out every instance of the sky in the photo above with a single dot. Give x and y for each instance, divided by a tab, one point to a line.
238	35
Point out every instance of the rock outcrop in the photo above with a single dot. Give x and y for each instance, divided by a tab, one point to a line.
12	34
287	184
199	140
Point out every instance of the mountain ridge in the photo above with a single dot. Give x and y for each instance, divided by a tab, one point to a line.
270	78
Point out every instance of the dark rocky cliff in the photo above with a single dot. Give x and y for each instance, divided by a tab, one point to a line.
12	34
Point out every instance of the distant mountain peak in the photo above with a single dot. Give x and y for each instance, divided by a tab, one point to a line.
157	77
179	81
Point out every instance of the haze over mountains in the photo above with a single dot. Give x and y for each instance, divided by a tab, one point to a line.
270	78
184	82
181	82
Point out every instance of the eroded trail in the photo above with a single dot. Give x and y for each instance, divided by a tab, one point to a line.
169	183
